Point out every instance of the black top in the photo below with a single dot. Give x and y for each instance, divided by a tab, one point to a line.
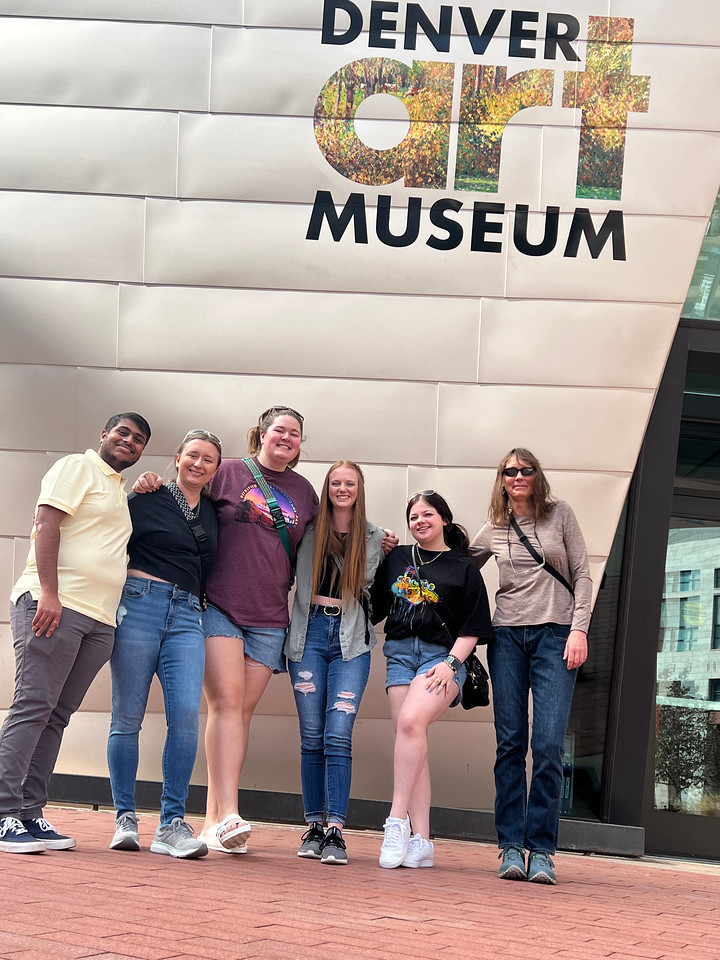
162	542
451	592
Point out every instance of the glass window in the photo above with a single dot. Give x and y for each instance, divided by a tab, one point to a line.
689	580
703	299
687	748
584	753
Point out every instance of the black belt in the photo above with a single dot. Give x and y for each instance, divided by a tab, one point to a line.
331	610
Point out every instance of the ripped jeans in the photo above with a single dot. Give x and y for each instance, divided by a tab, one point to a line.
328	691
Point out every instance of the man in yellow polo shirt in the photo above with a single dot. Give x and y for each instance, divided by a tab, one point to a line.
62	614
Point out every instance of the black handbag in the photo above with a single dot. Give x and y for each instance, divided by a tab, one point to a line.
476	689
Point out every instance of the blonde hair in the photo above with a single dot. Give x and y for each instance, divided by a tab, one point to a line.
353	577
541	501
199	435
265	421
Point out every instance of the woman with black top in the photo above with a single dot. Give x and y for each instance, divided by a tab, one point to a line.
159	631
437	611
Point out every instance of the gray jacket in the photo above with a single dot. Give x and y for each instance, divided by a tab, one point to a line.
352	618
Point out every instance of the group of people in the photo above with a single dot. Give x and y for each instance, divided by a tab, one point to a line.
203	603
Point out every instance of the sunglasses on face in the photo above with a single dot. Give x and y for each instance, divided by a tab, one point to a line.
514	471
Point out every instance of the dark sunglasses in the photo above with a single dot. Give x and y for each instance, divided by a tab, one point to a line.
279	410
422	493
514	471
202	435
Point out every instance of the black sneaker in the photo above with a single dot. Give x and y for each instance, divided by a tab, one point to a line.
312	841
333	848
42	829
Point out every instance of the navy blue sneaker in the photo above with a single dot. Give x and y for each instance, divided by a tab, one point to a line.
540	869
513	864
42	829
14	838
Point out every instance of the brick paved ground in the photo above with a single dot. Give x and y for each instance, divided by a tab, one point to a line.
107	905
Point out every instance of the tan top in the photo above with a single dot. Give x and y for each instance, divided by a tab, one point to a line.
528	595
92	558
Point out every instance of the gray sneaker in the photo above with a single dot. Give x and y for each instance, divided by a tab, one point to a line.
176	840
312	841
540	869
513	864
333	848
126	833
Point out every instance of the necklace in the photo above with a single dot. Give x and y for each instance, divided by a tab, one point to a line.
427	562
539	566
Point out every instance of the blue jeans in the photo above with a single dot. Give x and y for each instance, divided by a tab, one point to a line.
523	659
328	691
159	631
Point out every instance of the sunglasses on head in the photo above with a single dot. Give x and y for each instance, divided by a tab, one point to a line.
422	493
202	435
279	411
514	471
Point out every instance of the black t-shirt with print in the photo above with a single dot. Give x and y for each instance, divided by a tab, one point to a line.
451	591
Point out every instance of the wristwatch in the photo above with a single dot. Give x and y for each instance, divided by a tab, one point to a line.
453	662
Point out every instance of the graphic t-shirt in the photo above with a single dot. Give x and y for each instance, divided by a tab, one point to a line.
249	581
447	591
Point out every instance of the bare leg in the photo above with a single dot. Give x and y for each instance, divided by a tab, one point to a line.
413	709
233	686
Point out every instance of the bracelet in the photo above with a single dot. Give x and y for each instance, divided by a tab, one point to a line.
453	662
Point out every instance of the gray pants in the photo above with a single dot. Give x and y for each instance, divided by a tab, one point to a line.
51	678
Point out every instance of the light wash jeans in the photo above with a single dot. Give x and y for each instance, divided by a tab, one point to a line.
523	659
159	631
328	691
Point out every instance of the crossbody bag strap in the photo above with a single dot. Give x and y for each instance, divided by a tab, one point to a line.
198	531
273	506
537	558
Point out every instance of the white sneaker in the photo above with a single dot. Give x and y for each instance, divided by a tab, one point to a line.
420	853
209	838
396	842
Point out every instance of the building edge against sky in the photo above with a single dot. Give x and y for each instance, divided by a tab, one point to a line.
437	242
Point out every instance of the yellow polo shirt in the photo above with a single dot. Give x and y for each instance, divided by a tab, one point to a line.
92	558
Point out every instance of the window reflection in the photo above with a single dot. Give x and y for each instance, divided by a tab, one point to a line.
687	760
703	299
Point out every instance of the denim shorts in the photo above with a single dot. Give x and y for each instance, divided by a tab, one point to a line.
263	644
412	657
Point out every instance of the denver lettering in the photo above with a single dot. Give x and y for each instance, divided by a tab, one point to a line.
486	226
383	22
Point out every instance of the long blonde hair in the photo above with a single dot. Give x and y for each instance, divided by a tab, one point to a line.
328	543
542	501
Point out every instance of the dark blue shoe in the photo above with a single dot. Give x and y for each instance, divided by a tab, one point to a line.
540	869
14	838
42	829
513	864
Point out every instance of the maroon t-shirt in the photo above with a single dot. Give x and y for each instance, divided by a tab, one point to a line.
249	581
